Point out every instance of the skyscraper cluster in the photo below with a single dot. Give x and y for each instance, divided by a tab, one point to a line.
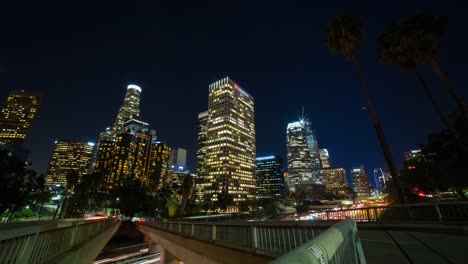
308	165
130	150
226	151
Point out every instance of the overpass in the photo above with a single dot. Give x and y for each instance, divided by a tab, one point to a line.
58	241
422	233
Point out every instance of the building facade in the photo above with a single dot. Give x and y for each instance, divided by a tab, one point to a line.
298	154
361	182
324	158
335	181
130	107
270	178
158	162
201	153
68	156
17	115
229	149
178	157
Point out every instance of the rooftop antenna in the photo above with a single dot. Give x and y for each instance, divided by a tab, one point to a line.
302	118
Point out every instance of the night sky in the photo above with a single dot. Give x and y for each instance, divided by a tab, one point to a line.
81	57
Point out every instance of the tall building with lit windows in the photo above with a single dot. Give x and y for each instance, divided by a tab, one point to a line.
68	156
17	115
298	154
335	181
270	179
201	153
158	161
103	159
229	159
130	107
361	182
324	158
130	153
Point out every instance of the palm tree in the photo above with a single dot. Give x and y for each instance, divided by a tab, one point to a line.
424	31
394	47
344	37
187	183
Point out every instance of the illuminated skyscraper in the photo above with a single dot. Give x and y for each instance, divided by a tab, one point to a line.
17	115
129	108
69	156
298	154
361	182
335	181
201	153
381	179
229	160
130	153
324	158
103	155
158	162
270	179
312	142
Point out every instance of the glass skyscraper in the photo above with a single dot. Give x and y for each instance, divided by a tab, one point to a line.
361	182
228	155
270	179
17	115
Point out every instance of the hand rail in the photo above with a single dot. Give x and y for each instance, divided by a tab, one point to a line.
45	240
338	244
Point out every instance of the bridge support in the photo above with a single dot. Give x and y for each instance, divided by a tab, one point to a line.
195	251
87	252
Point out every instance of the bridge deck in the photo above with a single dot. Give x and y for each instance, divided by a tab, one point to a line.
413	247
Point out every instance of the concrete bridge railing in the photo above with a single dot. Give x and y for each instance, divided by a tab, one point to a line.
58	241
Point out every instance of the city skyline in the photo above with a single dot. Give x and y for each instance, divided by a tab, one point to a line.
92	95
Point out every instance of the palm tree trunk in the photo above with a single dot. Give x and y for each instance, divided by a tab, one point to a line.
380	132
433	101
450	89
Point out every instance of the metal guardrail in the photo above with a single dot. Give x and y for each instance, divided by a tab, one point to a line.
433	212
42	241
338	244
267	238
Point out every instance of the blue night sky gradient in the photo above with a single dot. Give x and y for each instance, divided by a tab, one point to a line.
82	57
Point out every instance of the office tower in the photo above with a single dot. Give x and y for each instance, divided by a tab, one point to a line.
229	160
130	153
178	157
381	179
69	156
17	115
312	142
201	153
158	162
335	181
106	142
324	158
360	182
378	173
298	154
130	107
270	179
103	155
